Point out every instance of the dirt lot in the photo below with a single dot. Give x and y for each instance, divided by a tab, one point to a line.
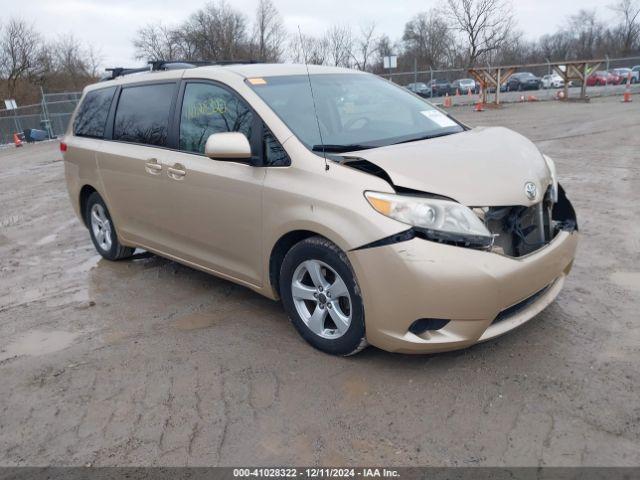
147	362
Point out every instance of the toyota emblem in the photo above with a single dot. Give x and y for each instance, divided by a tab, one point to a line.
530	190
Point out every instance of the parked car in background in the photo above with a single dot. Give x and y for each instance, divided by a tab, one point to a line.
419	88
463	85
552	80
623	73
440	87
635	74
523	81
602	77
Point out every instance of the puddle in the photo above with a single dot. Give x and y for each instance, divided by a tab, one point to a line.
628	280
38	342
86	265
196	321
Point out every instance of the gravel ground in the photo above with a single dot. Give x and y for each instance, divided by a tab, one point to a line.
147	362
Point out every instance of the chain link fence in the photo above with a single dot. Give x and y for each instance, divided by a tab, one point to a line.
51	115
450	75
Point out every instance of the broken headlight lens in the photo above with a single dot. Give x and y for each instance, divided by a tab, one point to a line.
440	220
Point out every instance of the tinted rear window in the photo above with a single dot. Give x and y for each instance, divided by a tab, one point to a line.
142	115
93	112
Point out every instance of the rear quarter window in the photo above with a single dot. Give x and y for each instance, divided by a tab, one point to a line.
92	114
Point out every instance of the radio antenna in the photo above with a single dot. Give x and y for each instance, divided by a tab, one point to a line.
313	98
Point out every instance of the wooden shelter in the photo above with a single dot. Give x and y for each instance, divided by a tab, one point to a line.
569	70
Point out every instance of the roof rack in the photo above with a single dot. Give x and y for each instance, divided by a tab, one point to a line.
178	64
161	65
120	71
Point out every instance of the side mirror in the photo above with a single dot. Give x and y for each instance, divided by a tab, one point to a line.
232	146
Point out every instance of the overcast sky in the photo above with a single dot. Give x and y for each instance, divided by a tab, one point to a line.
110	25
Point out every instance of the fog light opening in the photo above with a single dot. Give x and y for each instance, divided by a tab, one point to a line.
427	324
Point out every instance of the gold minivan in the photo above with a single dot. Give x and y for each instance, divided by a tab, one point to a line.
374	216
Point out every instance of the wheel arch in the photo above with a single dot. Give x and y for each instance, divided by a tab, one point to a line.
85	193
280	249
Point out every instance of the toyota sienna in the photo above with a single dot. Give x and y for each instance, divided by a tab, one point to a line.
375	217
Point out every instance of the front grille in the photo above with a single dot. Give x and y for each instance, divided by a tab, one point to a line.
518	307
519	230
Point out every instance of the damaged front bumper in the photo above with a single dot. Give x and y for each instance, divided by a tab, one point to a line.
461	295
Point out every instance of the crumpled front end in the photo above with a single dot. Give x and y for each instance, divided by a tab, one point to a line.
422	296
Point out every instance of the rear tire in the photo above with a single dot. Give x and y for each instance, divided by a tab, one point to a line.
322	298
102	231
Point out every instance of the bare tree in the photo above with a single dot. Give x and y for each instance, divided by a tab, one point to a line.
628	12
216	32
339	44
384	47
64	64
157	42
268	33
428	39
19	48
484	24
586	33
308	49
364	45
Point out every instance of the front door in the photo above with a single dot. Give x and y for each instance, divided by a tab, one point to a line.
213	208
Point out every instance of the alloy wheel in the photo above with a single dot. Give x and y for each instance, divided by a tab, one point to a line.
322	299
101	227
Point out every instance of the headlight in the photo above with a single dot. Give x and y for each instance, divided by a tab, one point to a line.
551	165
436	219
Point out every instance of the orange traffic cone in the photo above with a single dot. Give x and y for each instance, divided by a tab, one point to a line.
447	101
16	140
457	92
469	93
626	98
480	105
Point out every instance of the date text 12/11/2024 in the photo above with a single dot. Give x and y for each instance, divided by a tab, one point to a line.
315	473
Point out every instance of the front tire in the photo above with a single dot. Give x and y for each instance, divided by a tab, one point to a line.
322	298
103	233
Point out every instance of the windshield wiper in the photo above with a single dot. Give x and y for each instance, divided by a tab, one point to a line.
339	148
426	137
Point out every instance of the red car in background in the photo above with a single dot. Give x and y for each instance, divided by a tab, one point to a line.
602	77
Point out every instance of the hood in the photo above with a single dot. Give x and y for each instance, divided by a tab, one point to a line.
482	167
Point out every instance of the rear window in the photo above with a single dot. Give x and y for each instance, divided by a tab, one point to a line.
143	113
92	115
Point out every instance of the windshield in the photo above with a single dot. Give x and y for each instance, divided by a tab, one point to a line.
355	111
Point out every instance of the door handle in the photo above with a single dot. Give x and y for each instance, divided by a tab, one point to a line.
177	172
153	167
